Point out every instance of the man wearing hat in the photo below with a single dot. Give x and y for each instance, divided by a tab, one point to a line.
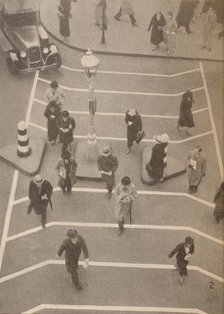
66	170
156	164
55	93
66	125
73	245
196	168
40	191
52	112
107	165
183	252
134	125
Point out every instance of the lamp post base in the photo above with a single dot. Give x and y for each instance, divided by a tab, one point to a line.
86	156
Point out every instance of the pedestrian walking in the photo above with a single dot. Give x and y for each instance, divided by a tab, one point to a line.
209	20
134	126
125	194
107	165
64	15
66	126
126	9
170	33
186	121
155	165
219	203
183	252
100	14
186	14
40	192
52	112
157	24
196	168
66	169
55	93
72	246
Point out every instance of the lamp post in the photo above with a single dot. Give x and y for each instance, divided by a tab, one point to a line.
87	152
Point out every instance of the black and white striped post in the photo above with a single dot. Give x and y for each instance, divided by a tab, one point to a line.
23	148
165	154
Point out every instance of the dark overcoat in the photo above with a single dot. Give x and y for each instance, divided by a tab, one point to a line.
219	203
35	194
108	163
62	173
132	130
73	251
181	255
185	116
155	166
52	112
69	125
157	29
186	12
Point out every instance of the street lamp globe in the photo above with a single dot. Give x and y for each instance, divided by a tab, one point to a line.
90	63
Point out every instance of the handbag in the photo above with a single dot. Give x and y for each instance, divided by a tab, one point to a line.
140	136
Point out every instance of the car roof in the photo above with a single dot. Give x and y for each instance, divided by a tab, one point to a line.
21	6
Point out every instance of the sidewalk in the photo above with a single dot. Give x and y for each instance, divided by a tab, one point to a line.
123	38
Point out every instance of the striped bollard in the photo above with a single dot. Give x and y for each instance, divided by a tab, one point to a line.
23	148
165	155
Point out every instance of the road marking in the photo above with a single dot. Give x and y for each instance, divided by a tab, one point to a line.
135	73
140	192
124	139
44	103
32	95
8	216
113	308
114	226
109	264
102	91
218	152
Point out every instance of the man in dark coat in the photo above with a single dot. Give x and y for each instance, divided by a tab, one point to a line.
73	245
52	112
184	252
157	24
186	14
66	125
219	203
186	121
107	165
156	164
40	192
134	125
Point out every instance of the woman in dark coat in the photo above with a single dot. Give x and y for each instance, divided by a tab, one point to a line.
52	112
219	203
66	125
134	125
184	252
186	14
64	16
185	116
157	24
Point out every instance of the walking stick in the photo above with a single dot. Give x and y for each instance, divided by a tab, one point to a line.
130	213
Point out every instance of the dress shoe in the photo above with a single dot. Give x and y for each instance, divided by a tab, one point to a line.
79	287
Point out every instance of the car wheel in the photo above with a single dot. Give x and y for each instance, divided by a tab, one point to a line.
11	66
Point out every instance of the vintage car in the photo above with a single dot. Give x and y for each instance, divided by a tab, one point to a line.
30	47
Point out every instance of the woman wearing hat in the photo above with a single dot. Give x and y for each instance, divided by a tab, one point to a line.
66	125
126	193
183	252
66	170
55	93
107	165
156	164
52	112
219	203
40	192
186	121
134	125
196	166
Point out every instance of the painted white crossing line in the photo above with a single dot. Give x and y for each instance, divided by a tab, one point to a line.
116	114
114	226
135	73
140	192
109	264
113	308
102	91
124	139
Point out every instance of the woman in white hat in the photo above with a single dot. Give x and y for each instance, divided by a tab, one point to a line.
134	125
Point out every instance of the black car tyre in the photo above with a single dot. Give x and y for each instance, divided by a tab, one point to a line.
11	66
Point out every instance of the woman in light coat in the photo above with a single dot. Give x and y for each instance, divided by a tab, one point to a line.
66	170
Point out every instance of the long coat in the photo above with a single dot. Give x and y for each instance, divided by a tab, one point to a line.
69	125
185	116
108	163
155	166
157	29
101	6
219	203
52	112
195	175
182	261
35	194
132	130
55	95
73	251
186	12
124	192
62	173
